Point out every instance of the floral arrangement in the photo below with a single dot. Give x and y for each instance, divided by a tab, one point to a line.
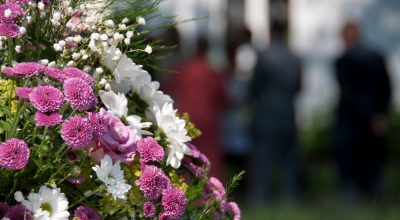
84	131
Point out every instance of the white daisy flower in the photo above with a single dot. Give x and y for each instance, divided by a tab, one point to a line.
113	177
150	93
135	122
116	103
174	129
47	204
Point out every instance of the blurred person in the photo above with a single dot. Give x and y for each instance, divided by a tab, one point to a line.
198	90
361	116
273	88
236	119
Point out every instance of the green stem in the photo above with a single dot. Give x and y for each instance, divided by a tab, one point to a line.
57	172
87	196
44	136
10	51
16	179
62	150
17	118
37	34
34	136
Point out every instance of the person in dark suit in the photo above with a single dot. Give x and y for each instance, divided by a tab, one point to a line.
361	116
273	89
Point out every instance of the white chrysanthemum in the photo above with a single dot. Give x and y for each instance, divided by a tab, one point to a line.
113	177
116	103
135	122
47	204
174	129
150	93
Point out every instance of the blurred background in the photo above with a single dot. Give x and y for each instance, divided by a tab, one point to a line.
302	94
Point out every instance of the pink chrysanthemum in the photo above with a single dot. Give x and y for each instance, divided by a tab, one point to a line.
23	92
14	154
235	210
9	71
16	12
28	69
79	94
153	182
9	30
98	123
173	203
48	119
149	210
73	72
77	132
86	213
149	150
46	98
55	73
18	212
18	1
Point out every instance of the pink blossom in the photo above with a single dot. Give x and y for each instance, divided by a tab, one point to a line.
235	210
76	180
72	156
23	92
77	132
173	203
9	30
149	210
217	188
46	98
150	150
79	94
55	73
18	211
3	209
86	213
16	12
153	182
118	142
9	71
73	72
28	69
18	1
48	119
14	154
71	44
98	123
199	156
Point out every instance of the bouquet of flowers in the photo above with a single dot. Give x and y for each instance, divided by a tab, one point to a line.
84	131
